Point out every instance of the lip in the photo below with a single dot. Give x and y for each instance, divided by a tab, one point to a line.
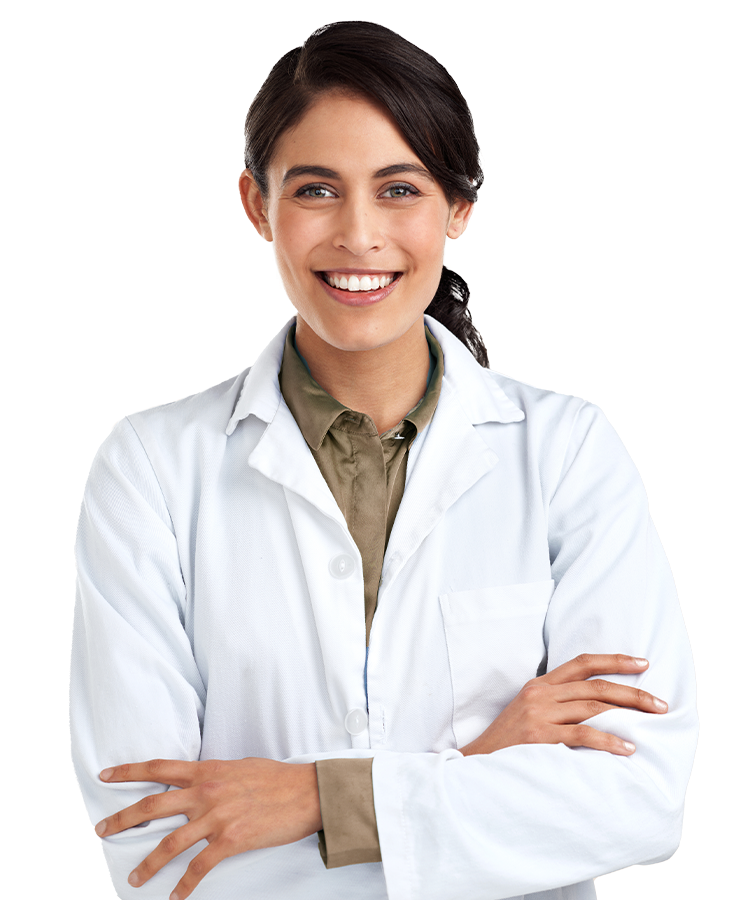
357	298
347	271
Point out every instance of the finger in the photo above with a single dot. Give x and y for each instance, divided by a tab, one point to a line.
610	693
587	664
167	849
199	867
177	772
578	711
155	806
586	736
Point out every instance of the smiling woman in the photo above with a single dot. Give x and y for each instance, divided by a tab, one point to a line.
409	89
366	588
334	238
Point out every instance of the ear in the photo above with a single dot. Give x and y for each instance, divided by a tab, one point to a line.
255	206
459	218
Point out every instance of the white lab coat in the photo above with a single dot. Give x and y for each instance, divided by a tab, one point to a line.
213	622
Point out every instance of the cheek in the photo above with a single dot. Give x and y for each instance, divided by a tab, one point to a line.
294	238
423	236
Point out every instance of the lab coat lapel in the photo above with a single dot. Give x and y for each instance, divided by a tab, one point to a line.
323	538
282	453
283	456
454	457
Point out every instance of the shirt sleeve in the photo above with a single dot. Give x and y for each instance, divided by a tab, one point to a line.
136	693
536	817
347	808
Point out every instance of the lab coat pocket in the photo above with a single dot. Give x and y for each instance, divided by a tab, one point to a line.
495	645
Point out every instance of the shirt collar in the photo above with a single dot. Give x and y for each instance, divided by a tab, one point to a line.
315	410
481	397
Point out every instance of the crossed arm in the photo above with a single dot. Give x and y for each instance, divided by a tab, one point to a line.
248	804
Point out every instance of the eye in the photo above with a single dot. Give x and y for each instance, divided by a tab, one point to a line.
315	191
399	191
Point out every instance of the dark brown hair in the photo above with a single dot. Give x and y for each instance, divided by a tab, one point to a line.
424	102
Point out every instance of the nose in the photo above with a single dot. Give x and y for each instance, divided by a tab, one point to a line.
359	227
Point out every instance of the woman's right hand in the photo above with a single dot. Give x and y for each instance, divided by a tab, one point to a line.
550	709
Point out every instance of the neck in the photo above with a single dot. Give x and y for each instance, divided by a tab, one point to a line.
384	383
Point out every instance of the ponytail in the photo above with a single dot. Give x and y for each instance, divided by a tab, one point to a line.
449	307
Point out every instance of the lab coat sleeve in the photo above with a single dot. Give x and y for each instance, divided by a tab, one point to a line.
136	693
535	817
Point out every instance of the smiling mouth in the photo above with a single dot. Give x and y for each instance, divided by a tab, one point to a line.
359	283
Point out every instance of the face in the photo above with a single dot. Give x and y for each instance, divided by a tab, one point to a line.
358	224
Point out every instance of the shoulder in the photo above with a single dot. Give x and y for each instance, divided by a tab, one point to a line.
488	395
207	412
567	436
539	404
209	409
145	448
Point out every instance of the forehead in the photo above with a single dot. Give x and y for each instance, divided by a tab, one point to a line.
346	133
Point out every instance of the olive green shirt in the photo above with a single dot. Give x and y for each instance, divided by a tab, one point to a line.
366	473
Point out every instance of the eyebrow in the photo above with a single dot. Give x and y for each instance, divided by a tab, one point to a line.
323	172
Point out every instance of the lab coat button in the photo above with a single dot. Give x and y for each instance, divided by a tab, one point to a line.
355	721
341	566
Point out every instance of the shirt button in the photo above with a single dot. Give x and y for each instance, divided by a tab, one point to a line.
355	721
341	566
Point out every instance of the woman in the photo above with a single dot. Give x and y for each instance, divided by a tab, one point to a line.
496	535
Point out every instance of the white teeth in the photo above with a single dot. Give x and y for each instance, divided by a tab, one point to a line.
357	283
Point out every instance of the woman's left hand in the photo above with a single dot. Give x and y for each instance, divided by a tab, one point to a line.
235	805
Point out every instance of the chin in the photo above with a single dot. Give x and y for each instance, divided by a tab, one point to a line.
357	330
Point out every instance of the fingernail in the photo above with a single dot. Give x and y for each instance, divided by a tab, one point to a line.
105	774
641	662
134	879
174	896
628	746
101	828
660	704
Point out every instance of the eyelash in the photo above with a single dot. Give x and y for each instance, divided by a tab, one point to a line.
305	191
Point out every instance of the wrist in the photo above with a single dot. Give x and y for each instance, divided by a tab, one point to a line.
487	742
471	749
310	797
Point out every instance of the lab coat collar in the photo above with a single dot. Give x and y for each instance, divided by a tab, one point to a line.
482	399
261	394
